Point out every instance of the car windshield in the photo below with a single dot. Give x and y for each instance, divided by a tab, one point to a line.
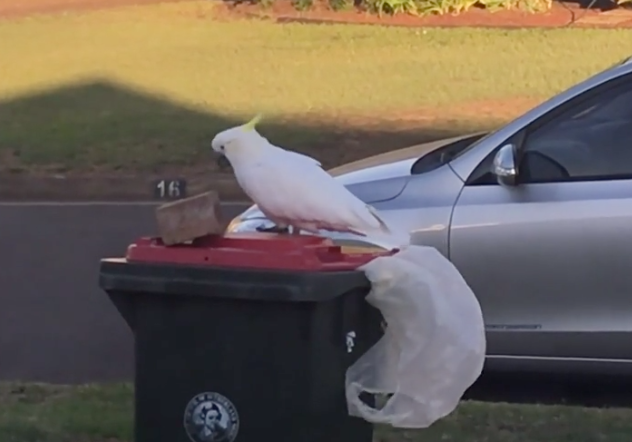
467	148
442	155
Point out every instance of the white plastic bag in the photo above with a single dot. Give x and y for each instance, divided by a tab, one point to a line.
433	348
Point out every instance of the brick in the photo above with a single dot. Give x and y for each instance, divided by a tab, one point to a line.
189	218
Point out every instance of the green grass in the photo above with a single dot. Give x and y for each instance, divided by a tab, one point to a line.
142	87
41	413
44	413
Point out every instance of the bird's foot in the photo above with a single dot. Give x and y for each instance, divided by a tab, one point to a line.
274	229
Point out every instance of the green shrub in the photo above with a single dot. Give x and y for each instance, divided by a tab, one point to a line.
425	7
440	7
340	5
393	6
302	5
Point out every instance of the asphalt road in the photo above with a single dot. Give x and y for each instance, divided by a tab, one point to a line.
56	325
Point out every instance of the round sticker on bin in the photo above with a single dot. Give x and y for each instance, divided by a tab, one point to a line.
211	417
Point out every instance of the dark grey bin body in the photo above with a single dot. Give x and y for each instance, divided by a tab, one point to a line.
275	344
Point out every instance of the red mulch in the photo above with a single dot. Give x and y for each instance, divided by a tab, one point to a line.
562	14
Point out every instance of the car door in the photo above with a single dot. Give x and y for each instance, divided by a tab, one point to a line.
550	258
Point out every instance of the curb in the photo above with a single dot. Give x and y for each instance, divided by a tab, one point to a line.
28	188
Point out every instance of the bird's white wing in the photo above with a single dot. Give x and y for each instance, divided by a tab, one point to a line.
305	157
296	155
314	195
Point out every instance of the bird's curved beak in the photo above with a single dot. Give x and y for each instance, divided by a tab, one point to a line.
222	162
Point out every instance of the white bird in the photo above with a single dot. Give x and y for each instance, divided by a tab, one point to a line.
293	190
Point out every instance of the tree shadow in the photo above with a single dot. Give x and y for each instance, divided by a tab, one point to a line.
103	131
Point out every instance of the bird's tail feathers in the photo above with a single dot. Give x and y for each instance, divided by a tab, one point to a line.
383	226
387	241
385	236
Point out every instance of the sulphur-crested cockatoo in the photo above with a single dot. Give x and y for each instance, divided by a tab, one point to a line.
293	190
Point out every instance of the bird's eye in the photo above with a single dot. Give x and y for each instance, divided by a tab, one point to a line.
221	148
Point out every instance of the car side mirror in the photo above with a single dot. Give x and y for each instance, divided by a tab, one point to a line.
504	167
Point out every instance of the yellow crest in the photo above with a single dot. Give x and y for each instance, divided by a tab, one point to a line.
252	123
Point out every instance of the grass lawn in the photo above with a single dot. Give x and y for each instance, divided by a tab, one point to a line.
148	86
40	413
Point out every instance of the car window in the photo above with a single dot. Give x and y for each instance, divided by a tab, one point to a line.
591	140
484	178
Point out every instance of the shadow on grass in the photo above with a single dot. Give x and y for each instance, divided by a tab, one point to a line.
49	413
103	129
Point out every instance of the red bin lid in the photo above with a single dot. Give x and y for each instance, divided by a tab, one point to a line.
253	250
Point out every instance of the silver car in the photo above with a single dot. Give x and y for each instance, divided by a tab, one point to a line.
537	216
